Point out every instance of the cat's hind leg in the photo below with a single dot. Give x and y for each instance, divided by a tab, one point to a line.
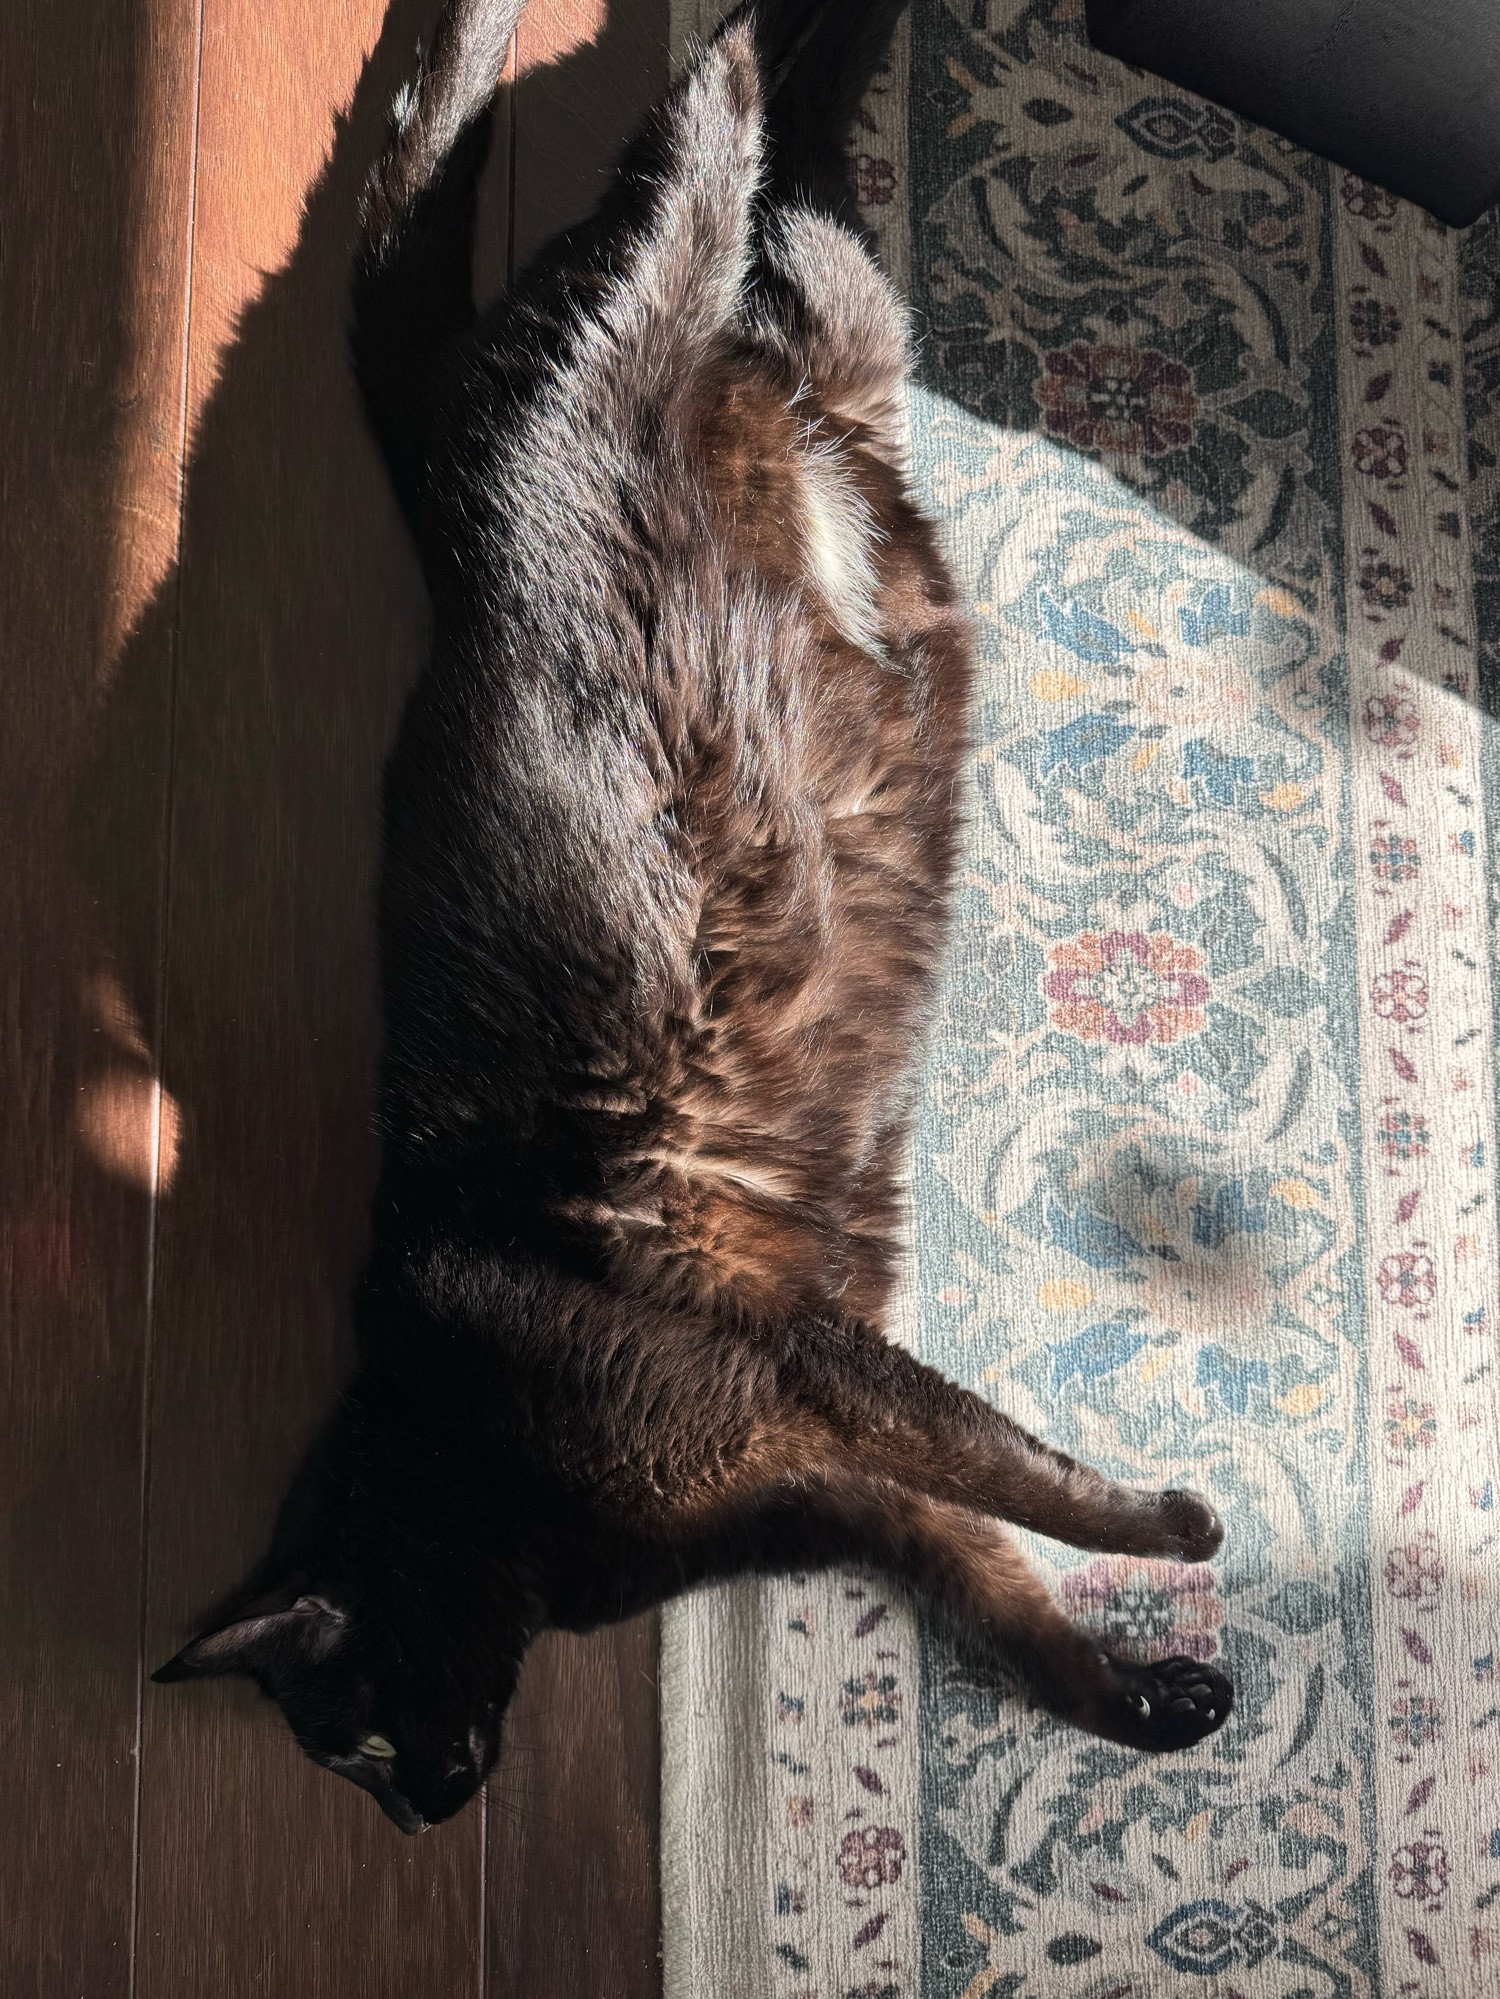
822	303
993	1604
677	277
832	321
884	1409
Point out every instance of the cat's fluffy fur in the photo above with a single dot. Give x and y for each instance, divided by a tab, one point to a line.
671	824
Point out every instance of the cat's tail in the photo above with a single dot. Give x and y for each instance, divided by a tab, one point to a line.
413	288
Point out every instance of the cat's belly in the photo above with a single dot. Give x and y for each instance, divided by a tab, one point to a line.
775	1167
698	1023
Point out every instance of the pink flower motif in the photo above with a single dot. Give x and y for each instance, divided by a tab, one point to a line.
1407	1279
1154	1607
1414	1574
1391	721
872	1857
1362	197
1415	1722
1404	1135
1380	451
1419	1873
1373	323
1127	987
1400	995
1410	1426
874	180
1394	857
1116	398
1385	586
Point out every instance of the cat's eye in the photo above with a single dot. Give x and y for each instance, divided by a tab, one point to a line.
376	1745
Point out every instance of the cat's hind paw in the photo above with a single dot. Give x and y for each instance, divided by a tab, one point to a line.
1168	1704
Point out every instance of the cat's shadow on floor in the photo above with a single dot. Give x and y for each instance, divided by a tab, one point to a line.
298	622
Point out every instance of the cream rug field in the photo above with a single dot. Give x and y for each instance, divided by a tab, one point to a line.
1205	1166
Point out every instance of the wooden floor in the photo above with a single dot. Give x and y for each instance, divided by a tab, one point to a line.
209	616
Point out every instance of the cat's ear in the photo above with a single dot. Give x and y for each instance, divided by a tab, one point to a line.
276	1633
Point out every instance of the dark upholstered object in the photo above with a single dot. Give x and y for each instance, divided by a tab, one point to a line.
1405	92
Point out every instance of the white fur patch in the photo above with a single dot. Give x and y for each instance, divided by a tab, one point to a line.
841	533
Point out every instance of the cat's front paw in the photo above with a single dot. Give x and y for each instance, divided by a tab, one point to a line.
1193	1532
1169	1704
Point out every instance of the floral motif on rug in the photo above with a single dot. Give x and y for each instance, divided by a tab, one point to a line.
1204	1170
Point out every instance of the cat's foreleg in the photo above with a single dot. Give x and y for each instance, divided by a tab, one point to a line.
993	1603
908	1423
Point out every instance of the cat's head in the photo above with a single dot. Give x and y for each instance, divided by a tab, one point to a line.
389	1640
418	1735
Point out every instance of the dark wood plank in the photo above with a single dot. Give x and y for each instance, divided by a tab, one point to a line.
302	623
574	1899
95	180
574	1896
588	72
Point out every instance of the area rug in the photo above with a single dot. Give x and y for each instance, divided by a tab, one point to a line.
1204	1170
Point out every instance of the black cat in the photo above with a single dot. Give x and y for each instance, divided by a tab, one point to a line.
671	823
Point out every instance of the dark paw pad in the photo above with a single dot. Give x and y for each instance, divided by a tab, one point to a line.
1170	1704
1194	1532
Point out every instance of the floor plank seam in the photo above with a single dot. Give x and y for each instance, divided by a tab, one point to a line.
164	884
